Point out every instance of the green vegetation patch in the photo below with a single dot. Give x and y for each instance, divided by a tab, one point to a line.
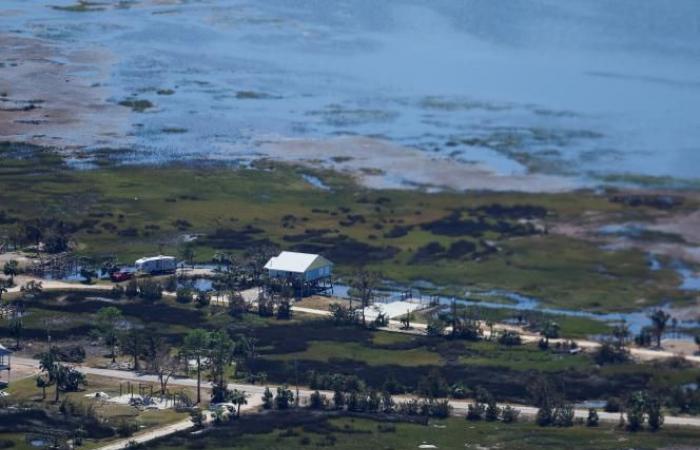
325	351
454	240
276	431
137	105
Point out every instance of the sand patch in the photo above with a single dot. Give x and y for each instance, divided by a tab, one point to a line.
380	164
687	226
54	97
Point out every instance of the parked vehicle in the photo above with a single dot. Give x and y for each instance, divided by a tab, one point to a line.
157	264
121	276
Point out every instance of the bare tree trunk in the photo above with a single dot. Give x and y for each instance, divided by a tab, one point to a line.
199	380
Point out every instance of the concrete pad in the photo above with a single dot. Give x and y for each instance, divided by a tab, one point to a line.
393	309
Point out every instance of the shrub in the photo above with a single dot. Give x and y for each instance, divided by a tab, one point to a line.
117	292
609	354
435	328
592	419
203	299
392	386
317	400
150	290
510	338
635	411
338	399
374	401
132	289
284	398
197	417
510	414
440	409
655	417
183	295
170	284
492	412
72	380
126	428
544	416
433	385
564	416
409	408
267	399
70	353
475	411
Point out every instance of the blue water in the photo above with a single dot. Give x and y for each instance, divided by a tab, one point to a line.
198	284
316	182
575	86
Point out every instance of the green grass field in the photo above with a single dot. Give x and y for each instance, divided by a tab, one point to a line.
325	350
134	211
457	433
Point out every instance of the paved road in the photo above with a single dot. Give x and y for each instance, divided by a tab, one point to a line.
250	296
147	436
419	328
54	285
256	391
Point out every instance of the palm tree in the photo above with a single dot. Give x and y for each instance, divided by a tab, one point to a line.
659	320
11	269
48	362
238	398
196	345
16	326
621	332
364	283
221	350
42	383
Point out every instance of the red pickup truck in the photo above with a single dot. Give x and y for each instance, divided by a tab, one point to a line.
121	276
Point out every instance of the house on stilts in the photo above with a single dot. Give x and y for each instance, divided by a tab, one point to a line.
306	272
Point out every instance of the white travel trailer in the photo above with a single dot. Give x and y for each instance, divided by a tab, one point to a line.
5	358
157	264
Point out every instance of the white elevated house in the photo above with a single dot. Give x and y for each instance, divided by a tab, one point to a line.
157	264
5	357
308	273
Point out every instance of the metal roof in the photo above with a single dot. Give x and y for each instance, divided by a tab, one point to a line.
296	262
153	258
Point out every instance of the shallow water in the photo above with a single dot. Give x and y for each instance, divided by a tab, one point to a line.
636	320
316	182
571	87
198	284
